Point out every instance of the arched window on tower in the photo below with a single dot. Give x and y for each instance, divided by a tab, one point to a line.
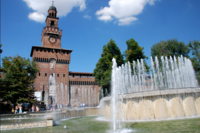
49	14
52	14
52	23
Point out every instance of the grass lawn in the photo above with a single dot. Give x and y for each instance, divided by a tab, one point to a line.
89	125
174	126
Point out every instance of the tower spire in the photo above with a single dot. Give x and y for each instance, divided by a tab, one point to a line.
52	3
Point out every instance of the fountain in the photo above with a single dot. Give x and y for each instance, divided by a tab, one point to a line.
169	92
52	89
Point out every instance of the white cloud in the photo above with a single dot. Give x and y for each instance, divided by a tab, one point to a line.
105	18
38	17
123	10
127	20
87	16
41	7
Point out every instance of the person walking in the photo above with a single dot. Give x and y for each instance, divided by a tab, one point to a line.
37	109
20	110
16	108
33	108
13	111
56	106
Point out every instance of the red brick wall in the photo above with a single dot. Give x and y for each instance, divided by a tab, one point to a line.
48	54
81	78
42	56
45	37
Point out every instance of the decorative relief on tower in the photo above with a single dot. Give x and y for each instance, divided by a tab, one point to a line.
43	66
60	67
52	64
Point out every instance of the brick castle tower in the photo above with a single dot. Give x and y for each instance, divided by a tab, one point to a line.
52	59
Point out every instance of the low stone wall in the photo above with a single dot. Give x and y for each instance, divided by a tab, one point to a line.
54	116
162	104
76	112
24	125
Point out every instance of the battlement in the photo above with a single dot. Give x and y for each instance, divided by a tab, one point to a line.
81	76
43	54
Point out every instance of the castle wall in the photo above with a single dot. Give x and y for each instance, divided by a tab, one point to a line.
61	77
87	78
83	89
44	57
44	54
87	94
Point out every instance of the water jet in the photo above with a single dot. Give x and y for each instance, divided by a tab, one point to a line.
171	91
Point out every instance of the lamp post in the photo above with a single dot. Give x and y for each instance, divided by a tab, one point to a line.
0	55
0	69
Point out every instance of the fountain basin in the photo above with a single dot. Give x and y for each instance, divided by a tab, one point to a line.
158	104
44	119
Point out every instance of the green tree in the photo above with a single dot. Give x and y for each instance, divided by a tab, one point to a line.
194	47
102	72
169	48
17	84
134	52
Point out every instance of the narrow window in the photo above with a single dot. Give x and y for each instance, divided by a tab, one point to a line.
52	14
52	23
45	74
63	75
57	75
39	74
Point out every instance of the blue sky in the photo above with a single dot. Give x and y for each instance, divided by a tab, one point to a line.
87	25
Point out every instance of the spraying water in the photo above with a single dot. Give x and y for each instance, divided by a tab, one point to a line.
169	73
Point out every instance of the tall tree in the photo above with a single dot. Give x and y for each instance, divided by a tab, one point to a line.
102	72
17	84
169	48
134	52
194	47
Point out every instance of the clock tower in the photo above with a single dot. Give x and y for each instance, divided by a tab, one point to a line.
51	36
53	62
54	83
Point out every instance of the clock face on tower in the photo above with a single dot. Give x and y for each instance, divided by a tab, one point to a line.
52	39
